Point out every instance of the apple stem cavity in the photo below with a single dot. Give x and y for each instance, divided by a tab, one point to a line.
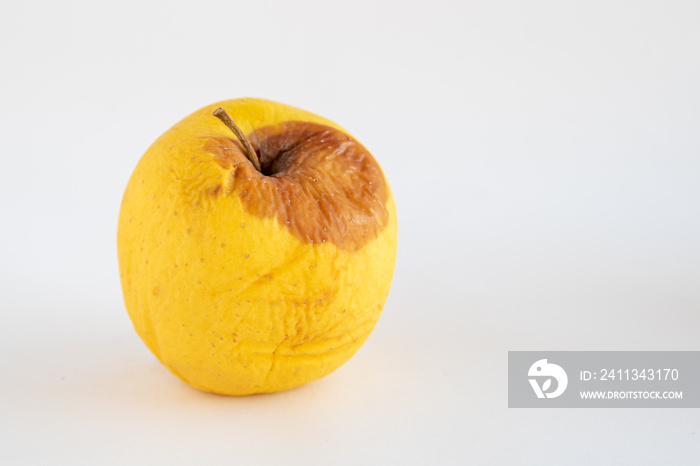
221	114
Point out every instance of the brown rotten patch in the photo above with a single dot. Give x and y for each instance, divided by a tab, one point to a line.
318	182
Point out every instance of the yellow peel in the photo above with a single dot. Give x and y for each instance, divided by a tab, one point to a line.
230	302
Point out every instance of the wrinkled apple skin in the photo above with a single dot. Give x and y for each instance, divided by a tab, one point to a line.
241	282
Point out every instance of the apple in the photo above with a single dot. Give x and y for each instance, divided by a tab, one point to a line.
256	246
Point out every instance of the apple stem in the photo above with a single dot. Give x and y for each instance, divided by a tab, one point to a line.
221	114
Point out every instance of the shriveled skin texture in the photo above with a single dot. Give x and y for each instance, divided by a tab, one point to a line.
242	282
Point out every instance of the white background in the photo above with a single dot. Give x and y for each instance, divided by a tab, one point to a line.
545	157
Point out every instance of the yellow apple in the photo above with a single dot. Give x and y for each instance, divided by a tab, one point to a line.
259	261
